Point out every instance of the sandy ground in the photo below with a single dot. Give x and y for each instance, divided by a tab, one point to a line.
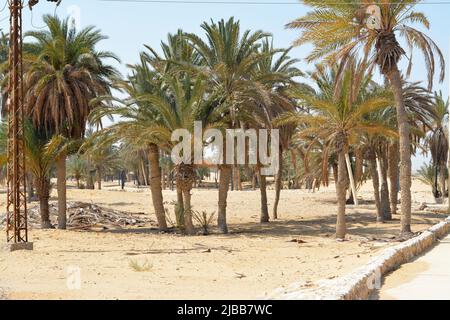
249	263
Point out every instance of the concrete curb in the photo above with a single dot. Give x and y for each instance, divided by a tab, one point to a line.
359	284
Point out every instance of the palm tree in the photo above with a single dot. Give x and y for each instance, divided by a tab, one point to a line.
438	143
102	157
339	30
376	153
135	116
149	119
146	80
228	61
419	106
371	157
426	174
77	168
338	120
276	71
65	74
177	56
179	104
40	155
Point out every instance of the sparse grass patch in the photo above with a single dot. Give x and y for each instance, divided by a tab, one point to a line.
204	220
144	266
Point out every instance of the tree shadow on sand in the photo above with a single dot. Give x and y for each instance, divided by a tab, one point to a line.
360	223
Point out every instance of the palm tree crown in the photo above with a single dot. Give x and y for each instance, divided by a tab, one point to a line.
66	73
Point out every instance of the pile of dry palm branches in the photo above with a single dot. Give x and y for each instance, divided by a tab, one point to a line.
85	216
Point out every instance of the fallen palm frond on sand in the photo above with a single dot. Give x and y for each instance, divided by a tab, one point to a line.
82	215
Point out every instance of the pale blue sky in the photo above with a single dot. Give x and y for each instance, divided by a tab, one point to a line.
129	25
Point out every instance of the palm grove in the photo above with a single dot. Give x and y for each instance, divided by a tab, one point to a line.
336	122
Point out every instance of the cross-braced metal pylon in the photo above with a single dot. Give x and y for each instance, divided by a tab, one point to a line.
17	229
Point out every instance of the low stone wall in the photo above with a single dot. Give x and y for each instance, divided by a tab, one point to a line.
360	283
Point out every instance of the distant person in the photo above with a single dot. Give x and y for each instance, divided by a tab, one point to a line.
123	178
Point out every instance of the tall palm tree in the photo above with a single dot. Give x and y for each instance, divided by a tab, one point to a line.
179	104
376	146
438	142
338	120
340	30
148	119
228	60
135	115
177	58
419	106
145	79
65	73
277	72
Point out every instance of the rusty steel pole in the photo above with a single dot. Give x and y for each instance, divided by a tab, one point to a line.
16	204
17	228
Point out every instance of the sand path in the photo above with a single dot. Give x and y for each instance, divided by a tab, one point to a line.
426	278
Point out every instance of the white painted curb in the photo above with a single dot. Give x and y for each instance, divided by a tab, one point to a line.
360	283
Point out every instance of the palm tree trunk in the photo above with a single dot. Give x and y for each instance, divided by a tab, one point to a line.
442	178
263	189
341	188
224	182
351	179
294	163
144	173
216	177
99	178
30	187
188	225
155	186
358	165
168	180
436	186
163	178
253	180
179	210
376	187
90	181
393	176
239	180
43	191
278	185
61	188
335	173
232	178
384	190
89	178
405	151
234	184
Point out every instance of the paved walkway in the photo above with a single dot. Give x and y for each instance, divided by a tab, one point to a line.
427	277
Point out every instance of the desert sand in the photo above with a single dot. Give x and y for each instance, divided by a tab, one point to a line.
249	263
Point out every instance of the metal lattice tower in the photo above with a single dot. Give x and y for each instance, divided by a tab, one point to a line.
17	229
